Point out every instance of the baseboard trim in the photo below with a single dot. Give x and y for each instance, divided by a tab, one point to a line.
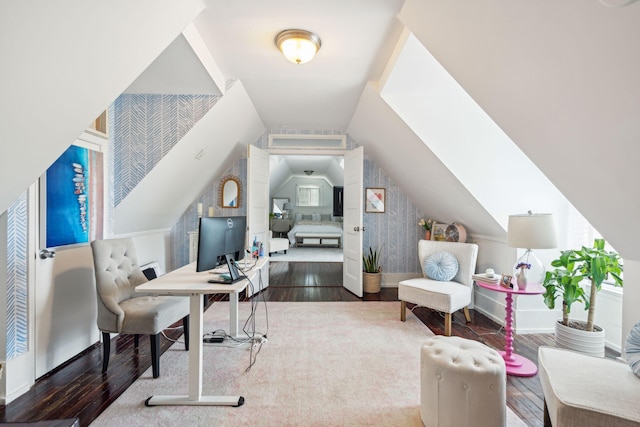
391	280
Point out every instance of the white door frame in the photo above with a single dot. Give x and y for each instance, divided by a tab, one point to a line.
258	204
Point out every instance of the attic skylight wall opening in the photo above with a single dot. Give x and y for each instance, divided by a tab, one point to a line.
463	136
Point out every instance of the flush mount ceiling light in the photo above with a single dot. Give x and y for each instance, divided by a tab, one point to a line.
298	46
308	172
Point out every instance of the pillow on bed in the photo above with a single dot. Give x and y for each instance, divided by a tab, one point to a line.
441	266
298	217
307	217
325	217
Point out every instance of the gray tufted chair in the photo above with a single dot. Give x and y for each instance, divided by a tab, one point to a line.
122	310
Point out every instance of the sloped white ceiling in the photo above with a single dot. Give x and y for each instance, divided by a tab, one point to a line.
63	64
321	94
467	142
177	71
413	167
560	78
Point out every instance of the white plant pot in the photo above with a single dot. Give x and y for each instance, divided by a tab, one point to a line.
591	343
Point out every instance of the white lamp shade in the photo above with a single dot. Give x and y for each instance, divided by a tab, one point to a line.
532	231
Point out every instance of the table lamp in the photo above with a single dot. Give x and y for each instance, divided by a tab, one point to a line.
531	231
285	210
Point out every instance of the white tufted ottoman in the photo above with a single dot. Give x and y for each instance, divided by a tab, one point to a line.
462	383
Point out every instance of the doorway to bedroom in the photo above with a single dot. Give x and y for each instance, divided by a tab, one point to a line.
306	207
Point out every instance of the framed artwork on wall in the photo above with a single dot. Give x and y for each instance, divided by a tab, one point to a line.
374	200
438	231
73	192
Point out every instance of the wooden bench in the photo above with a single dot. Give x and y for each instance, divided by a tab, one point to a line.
318	239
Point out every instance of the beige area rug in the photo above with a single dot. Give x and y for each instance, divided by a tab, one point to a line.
324	364
309	254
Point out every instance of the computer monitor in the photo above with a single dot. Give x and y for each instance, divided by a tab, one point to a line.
221	240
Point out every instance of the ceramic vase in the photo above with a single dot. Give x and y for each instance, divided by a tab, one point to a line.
427	235
521	280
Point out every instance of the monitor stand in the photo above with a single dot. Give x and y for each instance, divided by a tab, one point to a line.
234	273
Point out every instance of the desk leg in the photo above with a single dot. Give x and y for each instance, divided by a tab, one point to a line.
515	364
195	396
233	314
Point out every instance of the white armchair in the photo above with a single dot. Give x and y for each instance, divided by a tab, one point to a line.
277	244
446	296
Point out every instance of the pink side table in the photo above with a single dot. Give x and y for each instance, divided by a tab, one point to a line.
516	365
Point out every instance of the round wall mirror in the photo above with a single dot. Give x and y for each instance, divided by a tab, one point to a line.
230	190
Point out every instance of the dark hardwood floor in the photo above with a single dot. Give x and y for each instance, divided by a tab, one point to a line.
79	389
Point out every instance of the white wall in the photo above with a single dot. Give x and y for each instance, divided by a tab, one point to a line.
630	311
152	246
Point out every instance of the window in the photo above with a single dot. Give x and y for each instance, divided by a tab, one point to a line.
308	195
581	233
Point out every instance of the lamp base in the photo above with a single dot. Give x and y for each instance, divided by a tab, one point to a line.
531	267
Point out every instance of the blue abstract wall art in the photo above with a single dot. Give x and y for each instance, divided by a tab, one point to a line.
74	197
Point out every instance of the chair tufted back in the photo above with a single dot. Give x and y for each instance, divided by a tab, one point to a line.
117	274
465	253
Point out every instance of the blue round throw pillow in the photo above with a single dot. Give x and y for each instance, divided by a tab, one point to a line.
441	266
632	349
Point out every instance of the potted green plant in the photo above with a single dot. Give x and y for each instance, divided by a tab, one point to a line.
595	264
372	271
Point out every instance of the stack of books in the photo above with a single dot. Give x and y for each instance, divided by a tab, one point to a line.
482	277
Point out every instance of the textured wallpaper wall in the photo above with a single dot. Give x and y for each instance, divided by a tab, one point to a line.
396	231
145	127
209	198
17	278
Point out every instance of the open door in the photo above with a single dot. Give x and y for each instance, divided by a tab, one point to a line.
258	203
352	221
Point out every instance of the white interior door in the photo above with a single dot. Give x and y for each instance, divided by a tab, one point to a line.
258	203
65	300
352	221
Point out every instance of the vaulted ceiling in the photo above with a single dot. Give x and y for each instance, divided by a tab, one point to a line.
559	78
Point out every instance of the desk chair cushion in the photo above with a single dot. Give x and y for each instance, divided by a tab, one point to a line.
149	315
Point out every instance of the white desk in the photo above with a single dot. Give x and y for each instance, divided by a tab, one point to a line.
185	281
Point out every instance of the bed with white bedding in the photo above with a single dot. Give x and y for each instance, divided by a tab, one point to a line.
316	233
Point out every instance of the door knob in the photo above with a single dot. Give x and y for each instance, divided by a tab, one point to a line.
44	254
